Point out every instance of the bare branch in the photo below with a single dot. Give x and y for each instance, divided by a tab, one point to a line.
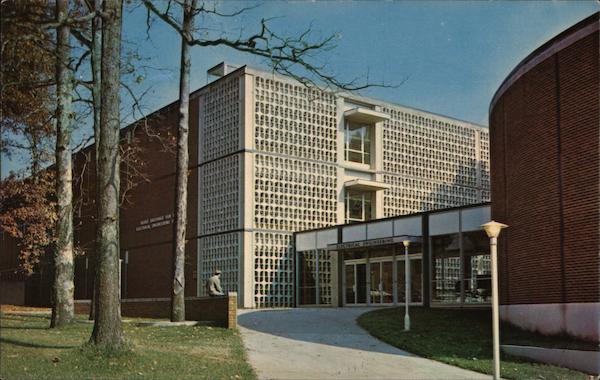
286	55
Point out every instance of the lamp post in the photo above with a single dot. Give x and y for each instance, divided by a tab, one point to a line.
492	229
406	285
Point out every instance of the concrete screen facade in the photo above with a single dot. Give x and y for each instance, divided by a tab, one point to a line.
294	159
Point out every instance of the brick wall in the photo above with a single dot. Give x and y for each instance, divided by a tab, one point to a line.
222	311
545	175
147	271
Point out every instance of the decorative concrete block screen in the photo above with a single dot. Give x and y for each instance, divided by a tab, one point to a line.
220	112
220	183
295	181
432	164
220	252
293	195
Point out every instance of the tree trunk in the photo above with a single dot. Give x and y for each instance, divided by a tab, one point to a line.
108	332
178	295
63	307
96	59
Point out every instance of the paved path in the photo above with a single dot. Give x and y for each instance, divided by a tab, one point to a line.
323	343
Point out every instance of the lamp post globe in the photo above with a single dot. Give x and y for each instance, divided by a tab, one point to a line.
493	228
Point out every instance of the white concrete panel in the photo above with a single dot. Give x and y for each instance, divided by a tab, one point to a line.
576	319
354	233
443	223
408	226
306	241
326	237
584	361
353	174
380	229
473	218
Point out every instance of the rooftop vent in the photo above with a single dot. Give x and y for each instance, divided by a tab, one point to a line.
220	70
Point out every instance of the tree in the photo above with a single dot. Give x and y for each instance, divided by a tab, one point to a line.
108	332
285	54
28	214
178	295
63	310
96	89
27	205
27	72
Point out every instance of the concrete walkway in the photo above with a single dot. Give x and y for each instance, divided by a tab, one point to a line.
323	343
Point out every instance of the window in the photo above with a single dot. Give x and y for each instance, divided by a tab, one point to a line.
358	206
358	143
477	267
416	276
446	268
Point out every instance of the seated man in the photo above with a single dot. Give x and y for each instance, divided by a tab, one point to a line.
213	285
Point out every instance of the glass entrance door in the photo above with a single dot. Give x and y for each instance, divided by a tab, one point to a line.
355	291
382	282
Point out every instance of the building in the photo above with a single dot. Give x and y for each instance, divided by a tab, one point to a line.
364	263
270	157
544	126
306	159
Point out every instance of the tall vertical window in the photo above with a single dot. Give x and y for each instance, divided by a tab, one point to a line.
446	268
477	267
358	143
358	206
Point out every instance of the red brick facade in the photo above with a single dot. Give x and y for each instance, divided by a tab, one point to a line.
544	137
146	254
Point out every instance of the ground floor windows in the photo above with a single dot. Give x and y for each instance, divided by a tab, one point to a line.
314	277
416	280
477	267
461	270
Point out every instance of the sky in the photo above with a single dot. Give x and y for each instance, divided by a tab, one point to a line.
448	57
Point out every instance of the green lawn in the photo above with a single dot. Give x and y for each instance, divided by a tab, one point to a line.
463	338
30	350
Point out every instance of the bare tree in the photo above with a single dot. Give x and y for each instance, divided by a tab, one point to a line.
108	331
63	288
95	62
178	296
285	54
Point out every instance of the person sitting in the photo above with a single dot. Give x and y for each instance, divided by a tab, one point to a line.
213	285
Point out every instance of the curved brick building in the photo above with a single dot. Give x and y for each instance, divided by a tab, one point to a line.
544	123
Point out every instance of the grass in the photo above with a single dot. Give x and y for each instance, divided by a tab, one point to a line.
463	338
30	350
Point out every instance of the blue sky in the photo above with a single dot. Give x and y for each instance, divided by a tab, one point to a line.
453	54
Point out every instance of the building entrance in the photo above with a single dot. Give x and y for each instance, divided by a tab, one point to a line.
369	282
382	282
355	276
374	281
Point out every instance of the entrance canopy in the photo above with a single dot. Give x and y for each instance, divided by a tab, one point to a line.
363	263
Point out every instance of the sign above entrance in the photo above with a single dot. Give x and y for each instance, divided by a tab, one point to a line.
365	243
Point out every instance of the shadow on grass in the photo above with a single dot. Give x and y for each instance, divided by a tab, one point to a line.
21	316
25	327
22	343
